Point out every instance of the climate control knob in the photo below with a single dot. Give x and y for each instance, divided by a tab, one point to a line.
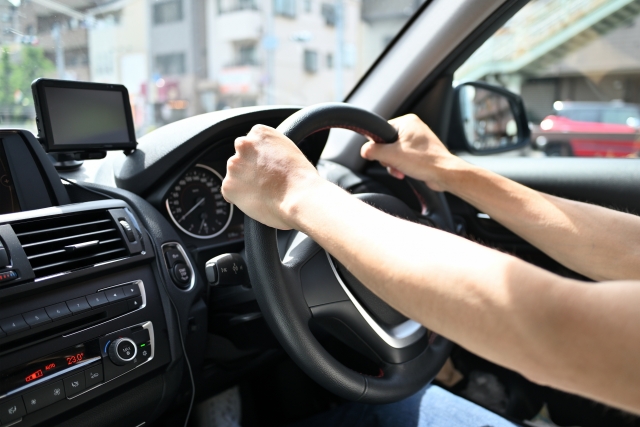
122	351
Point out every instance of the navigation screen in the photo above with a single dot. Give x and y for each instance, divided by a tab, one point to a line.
86	117
8	198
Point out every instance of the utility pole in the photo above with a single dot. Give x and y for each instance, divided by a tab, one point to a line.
339	55
56	33
270	43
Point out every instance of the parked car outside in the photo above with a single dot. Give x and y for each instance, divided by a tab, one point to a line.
590	129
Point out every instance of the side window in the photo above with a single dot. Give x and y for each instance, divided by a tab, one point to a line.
576	65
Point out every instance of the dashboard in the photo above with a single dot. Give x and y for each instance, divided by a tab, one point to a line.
103	299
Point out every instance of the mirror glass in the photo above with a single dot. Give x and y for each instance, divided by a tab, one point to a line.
487	118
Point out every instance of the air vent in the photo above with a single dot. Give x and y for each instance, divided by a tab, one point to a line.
65	243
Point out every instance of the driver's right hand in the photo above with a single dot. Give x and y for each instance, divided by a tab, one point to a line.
417	153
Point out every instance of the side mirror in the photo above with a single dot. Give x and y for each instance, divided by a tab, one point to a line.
487	119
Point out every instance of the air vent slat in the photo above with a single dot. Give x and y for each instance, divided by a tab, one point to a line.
62	239
44	267
65	243
49	230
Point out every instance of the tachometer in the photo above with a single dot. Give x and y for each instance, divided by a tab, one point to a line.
195	203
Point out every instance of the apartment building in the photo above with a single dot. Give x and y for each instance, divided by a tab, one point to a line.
281	51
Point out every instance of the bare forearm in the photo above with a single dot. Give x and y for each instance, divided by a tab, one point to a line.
583	237
497	306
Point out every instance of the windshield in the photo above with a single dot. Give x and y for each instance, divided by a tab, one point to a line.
179	58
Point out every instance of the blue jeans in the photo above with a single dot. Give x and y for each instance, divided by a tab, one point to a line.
431	407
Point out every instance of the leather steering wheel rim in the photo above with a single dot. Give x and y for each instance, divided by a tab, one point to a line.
281	299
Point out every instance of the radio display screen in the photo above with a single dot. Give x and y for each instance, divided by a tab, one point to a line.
47	366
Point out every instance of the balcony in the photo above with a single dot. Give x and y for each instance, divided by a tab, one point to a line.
239	24
228	6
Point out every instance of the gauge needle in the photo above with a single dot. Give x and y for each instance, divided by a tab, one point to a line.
201	201
201	225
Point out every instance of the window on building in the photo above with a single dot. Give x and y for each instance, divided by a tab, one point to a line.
329	60
285	8
329	14
170	64
310	61
246	54
167	11
307	5
225	6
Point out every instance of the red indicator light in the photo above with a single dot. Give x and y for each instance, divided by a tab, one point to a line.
49	366
35	375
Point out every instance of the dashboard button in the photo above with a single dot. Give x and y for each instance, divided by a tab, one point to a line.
11	410
7	276
58	311
97	299
44	396
93	375
132	290
74	384
78	305
13	325
174	256
114	294
181	274
141	336
144	352
135	303
36	317
122	351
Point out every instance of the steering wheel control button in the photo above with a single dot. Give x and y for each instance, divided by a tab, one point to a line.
114	294
122	351
227	270
132	290
74	384
181	275
134	304
58	311
13	325
78	305
98	299
11	410
36	317
44	396
93	376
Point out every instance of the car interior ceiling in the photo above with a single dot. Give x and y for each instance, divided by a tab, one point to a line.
228	345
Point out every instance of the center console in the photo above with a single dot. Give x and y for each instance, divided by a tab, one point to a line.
84	305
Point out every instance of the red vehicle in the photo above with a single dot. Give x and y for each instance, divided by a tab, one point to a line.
590	129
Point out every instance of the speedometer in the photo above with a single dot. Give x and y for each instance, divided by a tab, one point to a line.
195	203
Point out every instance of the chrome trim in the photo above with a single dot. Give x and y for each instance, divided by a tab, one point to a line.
145	325
82	364
177	245
400	336
84	268
143	294
224	227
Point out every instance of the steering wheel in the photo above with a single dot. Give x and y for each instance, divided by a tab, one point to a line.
301	289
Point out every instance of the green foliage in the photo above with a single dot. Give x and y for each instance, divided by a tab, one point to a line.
18	72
